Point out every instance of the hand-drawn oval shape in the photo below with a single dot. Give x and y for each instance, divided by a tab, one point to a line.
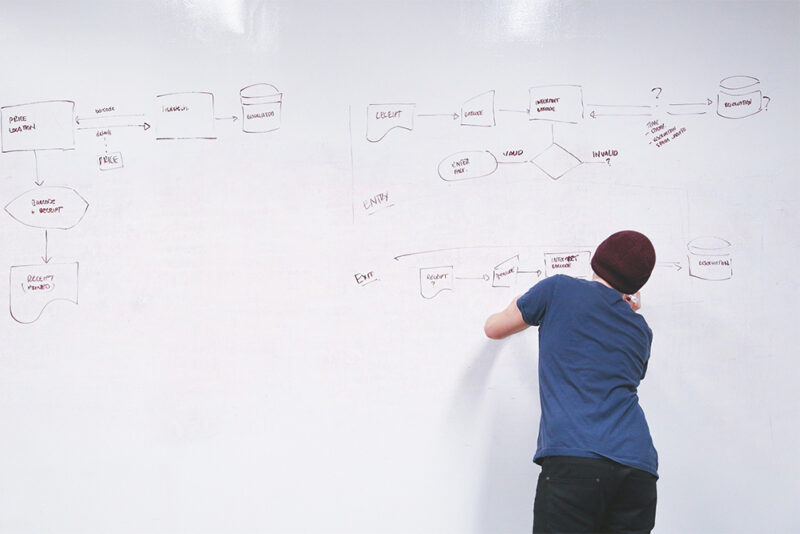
736	83
259	93
710	246
41	288
467	165
49	207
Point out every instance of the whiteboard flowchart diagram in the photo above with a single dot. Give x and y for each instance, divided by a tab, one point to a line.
53	125
706	258
737	97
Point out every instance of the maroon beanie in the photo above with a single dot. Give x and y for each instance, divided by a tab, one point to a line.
625	260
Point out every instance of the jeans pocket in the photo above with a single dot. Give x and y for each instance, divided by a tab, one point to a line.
567	504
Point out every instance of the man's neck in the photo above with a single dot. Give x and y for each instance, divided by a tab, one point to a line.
598	279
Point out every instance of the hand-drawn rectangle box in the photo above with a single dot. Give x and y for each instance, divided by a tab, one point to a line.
185	116
46	125
558	103
110	161
575	264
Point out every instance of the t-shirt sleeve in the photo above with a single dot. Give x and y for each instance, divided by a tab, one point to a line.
647	352
533	304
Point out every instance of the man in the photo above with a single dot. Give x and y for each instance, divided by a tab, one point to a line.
599	466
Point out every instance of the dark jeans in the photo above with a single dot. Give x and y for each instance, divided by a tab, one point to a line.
593	495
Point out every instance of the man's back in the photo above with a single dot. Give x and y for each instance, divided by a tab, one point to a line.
599	466
593	352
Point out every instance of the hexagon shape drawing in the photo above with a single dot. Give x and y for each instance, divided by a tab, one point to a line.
51	207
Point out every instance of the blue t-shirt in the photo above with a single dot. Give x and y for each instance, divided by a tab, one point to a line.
593	352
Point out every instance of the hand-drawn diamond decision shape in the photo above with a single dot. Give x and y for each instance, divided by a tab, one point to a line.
556	161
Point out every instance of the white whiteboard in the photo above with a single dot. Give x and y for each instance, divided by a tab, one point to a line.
264	236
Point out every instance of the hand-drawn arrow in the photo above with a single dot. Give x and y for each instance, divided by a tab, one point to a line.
143	125
36	160
619	106
708	102
537	272
485	277
594	114
233	118
106	117
433	251
454	115
671	265
515	110
45	257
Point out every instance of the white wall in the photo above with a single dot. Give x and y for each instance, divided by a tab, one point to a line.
225	370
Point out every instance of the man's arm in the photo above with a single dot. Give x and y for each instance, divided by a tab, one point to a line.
505	323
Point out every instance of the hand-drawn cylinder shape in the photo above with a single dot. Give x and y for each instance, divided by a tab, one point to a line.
261	108
739	97
49	207
467	165
710	258
38	126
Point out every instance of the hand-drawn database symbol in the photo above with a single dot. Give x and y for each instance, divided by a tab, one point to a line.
710	258
478	110
434	280
261	108
558	103
34	287
185	116
505	273
467	165
575	264
381	118
38	126
49	207
739	97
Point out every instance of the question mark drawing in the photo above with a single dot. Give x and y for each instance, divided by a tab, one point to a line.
608	160
768	99
659	91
